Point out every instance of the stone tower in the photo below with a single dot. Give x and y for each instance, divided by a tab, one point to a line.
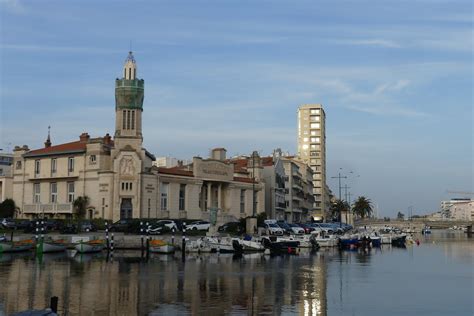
129	94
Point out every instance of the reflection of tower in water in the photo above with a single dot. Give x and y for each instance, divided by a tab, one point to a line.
314	299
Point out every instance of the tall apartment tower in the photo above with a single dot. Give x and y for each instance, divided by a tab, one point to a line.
312	150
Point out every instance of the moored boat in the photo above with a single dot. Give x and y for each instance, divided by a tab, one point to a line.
51	246
399	241
16	246
95	245
280	247
161	246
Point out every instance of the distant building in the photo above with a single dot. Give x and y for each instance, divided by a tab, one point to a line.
312	150
6	180
6	161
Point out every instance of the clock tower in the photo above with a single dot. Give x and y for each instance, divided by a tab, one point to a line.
129	94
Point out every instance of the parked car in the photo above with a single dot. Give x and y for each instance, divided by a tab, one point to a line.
87	226
127	225
159	228
198	225
69	228
8	223
168	223
232	227
296	229
307	228
284	225
272	228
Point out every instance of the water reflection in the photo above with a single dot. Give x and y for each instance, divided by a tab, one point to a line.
128	284
327	282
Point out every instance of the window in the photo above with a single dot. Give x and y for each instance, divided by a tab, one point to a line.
133	119
123	186
70	164
164	196
305	146
36	193
92	159
314	154
315	125
70	192
130	186
315	111
242	201
182	196
18	165
54	192
124	119
305	139
313	133
54	164
315	139
128	119
37	167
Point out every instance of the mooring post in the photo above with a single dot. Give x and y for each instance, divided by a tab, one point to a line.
107	235
42	231
147	240
112	243
183	242
141	236
37	231
172	236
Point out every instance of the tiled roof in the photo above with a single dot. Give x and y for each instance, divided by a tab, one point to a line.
67	148
267	161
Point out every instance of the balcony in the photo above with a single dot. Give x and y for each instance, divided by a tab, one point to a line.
62	208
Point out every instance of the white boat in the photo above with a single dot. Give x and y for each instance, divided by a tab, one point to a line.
201	245
161	246
96	245
16	246
325	240
51	246
222	245
386	239
304	240
250	245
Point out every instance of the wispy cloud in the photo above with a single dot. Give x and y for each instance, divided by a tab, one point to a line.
13	6
368	42
53	48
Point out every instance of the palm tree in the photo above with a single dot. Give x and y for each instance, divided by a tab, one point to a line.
362	207
80	205
337	208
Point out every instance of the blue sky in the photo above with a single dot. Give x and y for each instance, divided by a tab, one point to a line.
395	78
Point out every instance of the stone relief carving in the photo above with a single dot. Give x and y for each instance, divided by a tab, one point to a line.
127	166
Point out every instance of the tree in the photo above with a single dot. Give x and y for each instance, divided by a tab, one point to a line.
7	208
362	207
400	215
337	208
80	206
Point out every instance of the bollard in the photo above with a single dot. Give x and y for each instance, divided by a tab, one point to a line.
172	236
37	231
107	235
112	243
183	242
54	304
141	235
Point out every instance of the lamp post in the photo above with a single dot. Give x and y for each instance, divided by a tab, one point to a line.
339	177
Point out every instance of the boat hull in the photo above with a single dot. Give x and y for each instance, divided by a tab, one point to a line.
8	246
89	248
162	249
48	247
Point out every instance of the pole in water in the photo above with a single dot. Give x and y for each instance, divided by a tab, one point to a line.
37	230
107	235
172	236
183	242
112	243
147	240
141	236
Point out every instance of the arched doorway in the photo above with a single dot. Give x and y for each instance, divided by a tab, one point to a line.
126	209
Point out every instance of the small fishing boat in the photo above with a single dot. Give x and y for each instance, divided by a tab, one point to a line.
161	246
399	241
221	245
200	246
16	246
95	245
349	241
305	241
280	247
426	230
249	244
325	240
51	246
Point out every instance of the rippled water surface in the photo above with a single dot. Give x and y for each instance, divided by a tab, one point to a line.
435	278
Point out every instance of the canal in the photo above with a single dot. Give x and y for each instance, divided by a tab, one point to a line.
434	278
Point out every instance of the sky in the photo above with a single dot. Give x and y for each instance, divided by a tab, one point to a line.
395	79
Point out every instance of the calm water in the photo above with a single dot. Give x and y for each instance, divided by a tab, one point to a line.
435	278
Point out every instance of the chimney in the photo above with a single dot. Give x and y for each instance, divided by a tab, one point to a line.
218	154
180	163
84	137
107	139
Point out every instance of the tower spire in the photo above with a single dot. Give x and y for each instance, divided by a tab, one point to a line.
130	67
47	143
